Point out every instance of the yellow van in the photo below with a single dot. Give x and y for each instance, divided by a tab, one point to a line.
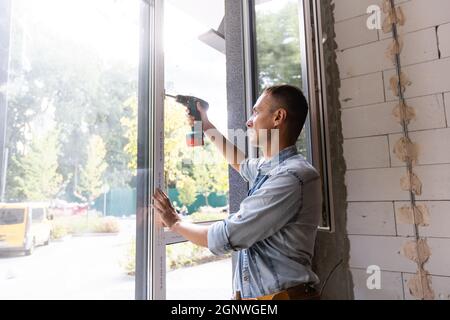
23	226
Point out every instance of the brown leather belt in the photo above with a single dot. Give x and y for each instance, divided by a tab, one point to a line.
301	292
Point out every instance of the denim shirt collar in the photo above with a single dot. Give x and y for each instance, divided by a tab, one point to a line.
267	165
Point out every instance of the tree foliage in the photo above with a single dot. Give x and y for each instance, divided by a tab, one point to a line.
279	51
88	95
187	193
210	172
131	133
92	104
278	46
39	179
91	181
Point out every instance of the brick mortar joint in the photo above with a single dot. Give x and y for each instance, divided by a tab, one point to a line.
392	15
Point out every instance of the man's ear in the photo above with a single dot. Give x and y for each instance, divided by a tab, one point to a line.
280	116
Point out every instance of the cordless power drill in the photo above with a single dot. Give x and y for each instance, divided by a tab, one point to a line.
195	137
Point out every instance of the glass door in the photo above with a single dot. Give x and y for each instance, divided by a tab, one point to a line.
191	43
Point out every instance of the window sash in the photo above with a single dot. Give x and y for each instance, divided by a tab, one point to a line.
312	63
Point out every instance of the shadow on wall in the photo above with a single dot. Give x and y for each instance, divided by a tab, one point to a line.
331	260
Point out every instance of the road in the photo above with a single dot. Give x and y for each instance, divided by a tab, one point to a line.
89	267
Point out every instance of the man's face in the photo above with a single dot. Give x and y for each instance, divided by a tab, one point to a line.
261	121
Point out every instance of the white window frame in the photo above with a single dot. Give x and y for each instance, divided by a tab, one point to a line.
159	237
155	245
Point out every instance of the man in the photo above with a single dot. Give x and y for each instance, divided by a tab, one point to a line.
275	228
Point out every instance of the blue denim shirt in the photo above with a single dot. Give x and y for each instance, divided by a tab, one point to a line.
275	227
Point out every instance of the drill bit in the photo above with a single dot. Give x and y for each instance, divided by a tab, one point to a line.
170	96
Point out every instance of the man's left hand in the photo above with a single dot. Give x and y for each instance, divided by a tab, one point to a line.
164	208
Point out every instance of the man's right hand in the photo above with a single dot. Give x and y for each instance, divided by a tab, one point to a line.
233	158
203	113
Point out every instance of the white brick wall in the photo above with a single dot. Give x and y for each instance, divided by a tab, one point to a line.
434	146
369	250
439	263
346	9
436	182
385	252
444	40
441	287
365	153
418	47
360	34
375	185
426	79
447	108
439	217
384	184
371	218
378	120
362	90
380	251
422	14
370	132
391	286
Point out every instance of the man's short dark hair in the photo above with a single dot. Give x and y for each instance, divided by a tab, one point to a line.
294	102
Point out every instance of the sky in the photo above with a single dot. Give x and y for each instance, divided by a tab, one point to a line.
112	30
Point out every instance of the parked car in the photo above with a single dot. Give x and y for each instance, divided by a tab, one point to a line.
63	208
23	226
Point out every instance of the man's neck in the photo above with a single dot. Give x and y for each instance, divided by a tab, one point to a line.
268	153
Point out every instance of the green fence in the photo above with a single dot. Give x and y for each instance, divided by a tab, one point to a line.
214	200
117	202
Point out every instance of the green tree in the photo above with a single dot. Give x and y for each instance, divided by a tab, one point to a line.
278	46
130	125
39	179
175	148
176	151
221	173
87	90
279	51
210	172
187	193
91	181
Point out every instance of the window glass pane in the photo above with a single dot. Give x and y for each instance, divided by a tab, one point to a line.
10	217
196	177
194	58
37	214
278	50
71	121
194	273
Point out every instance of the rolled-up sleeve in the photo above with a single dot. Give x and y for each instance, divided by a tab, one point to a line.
262	214
218	241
